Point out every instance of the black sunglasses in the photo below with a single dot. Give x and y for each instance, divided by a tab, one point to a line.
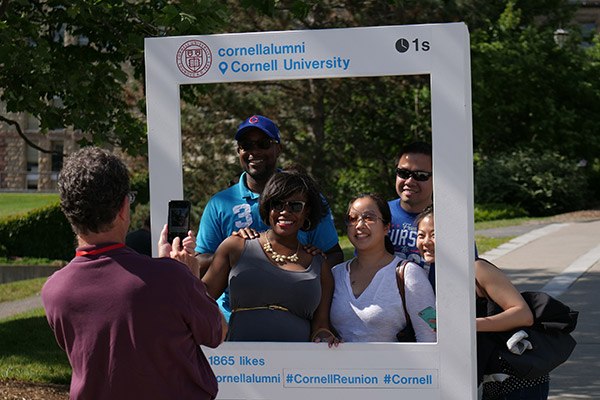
420	176
249	145
292	206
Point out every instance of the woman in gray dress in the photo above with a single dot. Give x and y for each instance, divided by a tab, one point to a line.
278	291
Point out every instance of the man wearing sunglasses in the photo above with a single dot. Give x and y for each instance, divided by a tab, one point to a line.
414	185
236	208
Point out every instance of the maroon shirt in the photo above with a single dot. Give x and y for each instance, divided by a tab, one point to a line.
131	326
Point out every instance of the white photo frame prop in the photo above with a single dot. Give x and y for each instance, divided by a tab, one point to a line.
443	370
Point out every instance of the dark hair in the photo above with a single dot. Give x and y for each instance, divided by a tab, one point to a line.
284	184
92	185
382	205
386	214
415	148
428	211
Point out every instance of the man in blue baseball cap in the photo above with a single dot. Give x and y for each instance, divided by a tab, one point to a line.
236	208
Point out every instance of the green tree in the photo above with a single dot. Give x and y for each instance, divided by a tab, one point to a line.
527	92
79	63
530	92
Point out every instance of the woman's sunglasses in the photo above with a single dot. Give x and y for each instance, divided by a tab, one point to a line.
292	206
367	218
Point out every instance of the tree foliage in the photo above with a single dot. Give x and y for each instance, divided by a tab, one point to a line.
75	63
541	182
80	64
530	92
527	93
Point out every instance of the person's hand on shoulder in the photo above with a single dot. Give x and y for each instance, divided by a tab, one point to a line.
314	251
246	233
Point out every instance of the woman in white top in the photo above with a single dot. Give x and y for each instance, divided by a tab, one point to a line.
366	305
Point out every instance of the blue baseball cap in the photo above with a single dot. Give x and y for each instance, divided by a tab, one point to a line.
259	122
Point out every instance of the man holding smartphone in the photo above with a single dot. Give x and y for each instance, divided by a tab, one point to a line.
236	208
131	325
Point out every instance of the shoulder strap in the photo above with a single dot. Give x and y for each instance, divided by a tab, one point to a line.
400	281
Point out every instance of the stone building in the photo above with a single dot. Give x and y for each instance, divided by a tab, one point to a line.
22	167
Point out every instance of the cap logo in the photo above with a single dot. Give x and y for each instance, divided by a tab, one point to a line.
194	58
253	119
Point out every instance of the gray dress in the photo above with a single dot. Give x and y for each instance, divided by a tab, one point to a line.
255	283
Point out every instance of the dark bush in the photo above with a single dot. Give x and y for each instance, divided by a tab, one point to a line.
138	217
542	183
140	185
41	233
492	212
593	170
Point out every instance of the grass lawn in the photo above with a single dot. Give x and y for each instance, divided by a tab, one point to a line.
29	351
347	247
501	223
21	289
485	243
19	203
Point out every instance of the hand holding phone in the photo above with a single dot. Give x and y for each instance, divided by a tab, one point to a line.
429	315
179	219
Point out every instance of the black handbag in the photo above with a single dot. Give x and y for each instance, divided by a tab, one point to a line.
407	334
549	336
549	314
550	349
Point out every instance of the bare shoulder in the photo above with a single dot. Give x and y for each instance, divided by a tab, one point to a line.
485	267
487	273
233	243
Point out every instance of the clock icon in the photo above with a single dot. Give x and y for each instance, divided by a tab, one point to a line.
402	45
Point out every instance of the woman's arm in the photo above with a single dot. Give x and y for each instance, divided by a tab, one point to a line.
499	288
226	256
419	295
320	327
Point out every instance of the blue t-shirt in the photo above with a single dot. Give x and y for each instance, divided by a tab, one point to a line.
403	233
237	207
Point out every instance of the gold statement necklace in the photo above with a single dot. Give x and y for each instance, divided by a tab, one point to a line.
279	258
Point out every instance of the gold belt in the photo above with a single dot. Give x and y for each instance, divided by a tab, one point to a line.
271	307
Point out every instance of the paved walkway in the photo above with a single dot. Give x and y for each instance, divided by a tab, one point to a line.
10	308
562	259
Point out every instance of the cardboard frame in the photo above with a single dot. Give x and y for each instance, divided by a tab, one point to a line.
442	370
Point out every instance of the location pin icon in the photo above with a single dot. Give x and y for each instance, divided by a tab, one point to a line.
223	67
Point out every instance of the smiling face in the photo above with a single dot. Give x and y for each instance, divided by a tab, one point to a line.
426	239
284	218
258	162
366	229
414	195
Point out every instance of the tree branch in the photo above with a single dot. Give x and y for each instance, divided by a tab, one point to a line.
25	138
